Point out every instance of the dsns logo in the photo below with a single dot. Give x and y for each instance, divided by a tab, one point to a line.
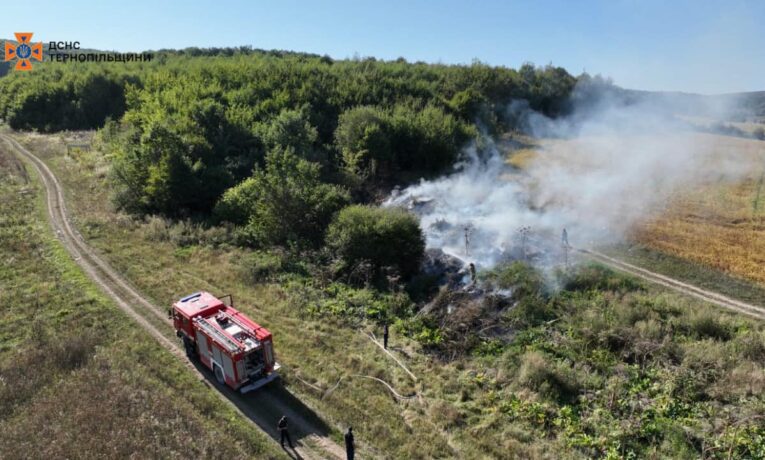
24	51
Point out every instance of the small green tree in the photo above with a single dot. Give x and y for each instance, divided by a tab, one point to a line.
284	203
383	237
291	128
362	138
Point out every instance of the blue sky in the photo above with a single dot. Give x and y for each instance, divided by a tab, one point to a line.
705	46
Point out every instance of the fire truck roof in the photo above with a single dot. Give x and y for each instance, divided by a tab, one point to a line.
199	304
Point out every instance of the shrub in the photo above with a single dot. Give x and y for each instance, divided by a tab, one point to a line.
423	330
522	278
547	378
362	138
238	203
385	238
529	291
710	325
263	266
751	345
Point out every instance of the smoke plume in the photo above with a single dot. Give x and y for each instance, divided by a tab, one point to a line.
596	173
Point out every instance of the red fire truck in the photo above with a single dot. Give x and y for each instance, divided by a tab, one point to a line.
239	351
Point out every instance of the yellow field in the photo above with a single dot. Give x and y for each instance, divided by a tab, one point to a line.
720	224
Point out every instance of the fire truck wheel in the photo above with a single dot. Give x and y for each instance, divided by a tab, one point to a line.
219	375
191	351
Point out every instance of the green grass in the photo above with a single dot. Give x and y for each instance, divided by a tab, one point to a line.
77	378
605	367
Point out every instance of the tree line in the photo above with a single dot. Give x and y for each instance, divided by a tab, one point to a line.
275	142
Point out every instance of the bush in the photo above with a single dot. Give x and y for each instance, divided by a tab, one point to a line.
362	136
521	277
423	330
548	378
710	325
262	266
386	238
529	292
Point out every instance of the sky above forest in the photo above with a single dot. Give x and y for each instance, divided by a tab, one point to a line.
694	46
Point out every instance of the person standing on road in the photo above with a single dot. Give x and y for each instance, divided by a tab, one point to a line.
350	448
283	432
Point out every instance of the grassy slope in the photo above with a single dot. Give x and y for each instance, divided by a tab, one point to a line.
632	356
691	272
77	378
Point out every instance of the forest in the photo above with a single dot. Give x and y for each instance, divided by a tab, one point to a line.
274	142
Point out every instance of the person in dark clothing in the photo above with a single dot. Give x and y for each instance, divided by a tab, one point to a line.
350	448
385	336
284	433
564	238
472	272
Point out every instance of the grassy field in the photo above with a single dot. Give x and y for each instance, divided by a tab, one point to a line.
719	225
77	378
613	369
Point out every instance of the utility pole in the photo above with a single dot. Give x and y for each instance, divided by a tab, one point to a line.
565	245
524	233
468	230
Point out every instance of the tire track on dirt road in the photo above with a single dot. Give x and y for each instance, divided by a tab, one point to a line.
261	408
712	297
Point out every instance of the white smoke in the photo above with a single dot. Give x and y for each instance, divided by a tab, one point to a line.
597	173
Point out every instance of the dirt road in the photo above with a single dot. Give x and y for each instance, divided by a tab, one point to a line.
263	407
685	288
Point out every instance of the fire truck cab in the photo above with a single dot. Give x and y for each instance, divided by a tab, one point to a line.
239	351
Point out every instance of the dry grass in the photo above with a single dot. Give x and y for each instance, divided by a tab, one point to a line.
166	261
720	225
521	158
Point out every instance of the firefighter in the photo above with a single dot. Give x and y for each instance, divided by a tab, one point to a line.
350	448
472	272
283	432
385	335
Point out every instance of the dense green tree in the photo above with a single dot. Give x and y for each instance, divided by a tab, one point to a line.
362	136
292	128
284	202
389	239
